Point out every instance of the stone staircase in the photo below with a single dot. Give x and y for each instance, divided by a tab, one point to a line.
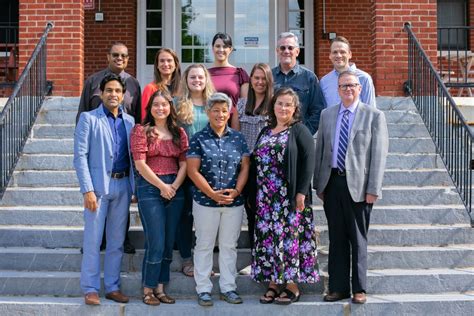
421	253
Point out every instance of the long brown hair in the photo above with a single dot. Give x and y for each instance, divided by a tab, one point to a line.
171	120
175	77
251	99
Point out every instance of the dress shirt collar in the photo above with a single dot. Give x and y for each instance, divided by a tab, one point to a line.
351	108
108	113
213	133
352	67
295	69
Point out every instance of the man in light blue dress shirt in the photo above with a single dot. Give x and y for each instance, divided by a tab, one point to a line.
340	56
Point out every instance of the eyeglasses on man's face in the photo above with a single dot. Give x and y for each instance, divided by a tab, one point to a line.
287	47
345	87
117	55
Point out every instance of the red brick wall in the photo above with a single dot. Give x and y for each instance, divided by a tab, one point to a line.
389	41
375	30
119	25
65	41
348	18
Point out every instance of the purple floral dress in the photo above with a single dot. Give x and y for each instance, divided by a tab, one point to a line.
285	250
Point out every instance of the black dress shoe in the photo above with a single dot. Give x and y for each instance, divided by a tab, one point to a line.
336	296
128	248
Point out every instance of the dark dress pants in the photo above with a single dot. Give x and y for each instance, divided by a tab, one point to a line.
348	224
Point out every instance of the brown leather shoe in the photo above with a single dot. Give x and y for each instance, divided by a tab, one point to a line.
336	296
359	298
92	298
117	296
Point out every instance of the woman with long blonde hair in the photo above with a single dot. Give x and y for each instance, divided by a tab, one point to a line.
196	88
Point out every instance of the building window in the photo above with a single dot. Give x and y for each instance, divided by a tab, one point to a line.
296	24
198	26
452	13
9	22
154	29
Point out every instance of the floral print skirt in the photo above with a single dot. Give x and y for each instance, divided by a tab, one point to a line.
285	246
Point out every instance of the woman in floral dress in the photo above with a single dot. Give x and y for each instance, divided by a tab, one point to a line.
285	250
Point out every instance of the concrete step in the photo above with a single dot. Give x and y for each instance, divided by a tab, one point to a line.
380	257
390	235
73	215
66	146
68	178
398	215
387	305
66	129
57	117
403	117
396	281
67	284
60	104
414	161
395	104
65	161
44	178
406	195
187	305
407	130
53	131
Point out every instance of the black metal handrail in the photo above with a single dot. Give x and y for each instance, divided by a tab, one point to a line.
21	109
446	124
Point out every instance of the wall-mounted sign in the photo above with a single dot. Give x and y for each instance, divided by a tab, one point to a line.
251	41
89	4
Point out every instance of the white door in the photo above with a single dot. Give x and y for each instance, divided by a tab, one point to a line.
188	27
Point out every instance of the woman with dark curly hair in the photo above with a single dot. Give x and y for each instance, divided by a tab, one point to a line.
159	147
285	250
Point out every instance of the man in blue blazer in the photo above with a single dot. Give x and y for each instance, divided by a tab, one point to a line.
351	151
104	169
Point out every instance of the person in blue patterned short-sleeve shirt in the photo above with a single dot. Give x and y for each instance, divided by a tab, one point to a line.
218	162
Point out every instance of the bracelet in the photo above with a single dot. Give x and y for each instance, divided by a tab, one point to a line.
238	191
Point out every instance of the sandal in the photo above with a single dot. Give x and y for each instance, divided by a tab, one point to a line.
188	269
150	299
288	298
164	298
268	299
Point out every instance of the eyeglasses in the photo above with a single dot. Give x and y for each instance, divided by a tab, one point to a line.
290	48
117	55
344	87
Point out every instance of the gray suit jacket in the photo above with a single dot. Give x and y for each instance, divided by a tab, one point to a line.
366	152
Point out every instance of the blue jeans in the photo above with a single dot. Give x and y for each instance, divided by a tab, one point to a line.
113	206
184	233
160	218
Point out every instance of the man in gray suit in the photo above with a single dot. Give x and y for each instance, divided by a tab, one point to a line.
351	151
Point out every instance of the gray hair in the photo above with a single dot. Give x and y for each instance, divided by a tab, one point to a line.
218	97
348	73
289	35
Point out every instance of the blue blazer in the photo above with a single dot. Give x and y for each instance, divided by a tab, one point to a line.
93	153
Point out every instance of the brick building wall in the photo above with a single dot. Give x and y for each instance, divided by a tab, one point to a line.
119	25
351	19
65	41
375	30
389	40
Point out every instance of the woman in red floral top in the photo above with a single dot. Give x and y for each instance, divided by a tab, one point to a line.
159	146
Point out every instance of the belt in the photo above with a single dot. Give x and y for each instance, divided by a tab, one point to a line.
337	172
119	175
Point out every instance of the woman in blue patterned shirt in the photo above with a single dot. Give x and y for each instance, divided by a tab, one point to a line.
218	164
